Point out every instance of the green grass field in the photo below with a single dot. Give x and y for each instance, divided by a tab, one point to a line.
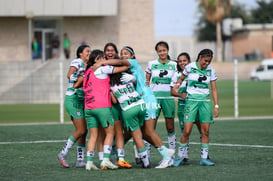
241	149
254	100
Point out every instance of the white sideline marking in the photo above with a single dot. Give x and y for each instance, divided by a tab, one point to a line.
194	143
31	142
235	145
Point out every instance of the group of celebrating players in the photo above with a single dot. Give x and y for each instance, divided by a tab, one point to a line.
111	97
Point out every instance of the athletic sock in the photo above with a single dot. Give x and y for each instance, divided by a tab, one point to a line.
121	153
183	150
163	152
106	151
172	140
68	145
148	147
80	152
90	156
144	156
204	150
100	156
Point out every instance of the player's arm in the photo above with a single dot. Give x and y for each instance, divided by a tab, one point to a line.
177	94
70	75
120	69
78	83
215	98
116	62
179	81
113	98
148	79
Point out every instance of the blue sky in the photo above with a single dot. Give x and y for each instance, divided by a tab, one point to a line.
178	17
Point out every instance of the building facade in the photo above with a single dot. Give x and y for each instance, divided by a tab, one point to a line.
94	22
252	41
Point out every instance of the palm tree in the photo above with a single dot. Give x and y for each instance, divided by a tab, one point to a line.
215	10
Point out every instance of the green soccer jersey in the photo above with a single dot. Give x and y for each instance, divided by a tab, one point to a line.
183	86
127	96
161	77
198	81
79	65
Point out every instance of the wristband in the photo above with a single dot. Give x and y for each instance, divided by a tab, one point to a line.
216	106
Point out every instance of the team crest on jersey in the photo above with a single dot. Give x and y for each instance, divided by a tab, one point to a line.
208	73
78	113
187	116
170	67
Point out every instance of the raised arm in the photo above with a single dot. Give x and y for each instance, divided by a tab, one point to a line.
116	62
120	69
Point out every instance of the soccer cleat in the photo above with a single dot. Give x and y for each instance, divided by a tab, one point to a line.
90	166
138	161
171	152
180	161
206	162
105	164
165	163
147	166
80	164
124	164
63	160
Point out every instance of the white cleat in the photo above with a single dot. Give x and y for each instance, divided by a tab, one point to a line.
105	164
165	163
90	166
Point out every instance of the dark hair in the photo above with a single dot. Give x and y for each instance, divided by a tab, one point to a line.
182	54
162	43
115	78
93	57
80	50
165	44
112	45
131	50
205	53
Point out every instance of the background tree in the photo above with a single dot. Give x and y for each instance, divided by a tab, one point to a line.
215	11
263	13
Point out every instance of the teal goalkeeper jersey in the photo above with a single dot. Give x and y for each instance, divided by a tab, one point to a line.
141	88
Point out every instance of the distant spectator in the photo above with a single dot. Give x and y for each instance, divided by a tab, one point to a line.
66	46
40	49
34	48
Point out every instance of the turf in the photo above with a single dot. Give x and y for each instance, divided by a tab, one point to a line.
240	161
254	100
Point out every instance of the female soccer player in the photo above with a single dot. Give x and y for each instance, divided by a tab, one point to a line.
111	52
96	86
183	59
133	113
158	77
74	104
200	74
